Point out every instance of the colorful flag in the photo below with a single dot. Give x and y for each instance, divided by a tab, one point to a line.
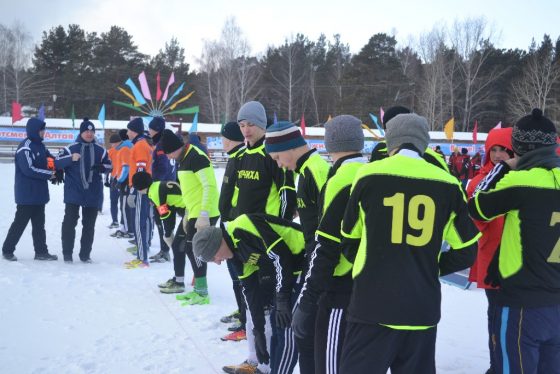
177	91
101	116
374	119
449	128
475	132
302	125
381	113
41	113
158	88
194	125
16	112
499	125
73	116
137	95
144	86
169	83
275	119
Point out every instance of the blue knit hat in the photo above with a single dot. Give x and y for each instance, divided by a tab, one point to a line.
283	136
86	125
136	125
157	124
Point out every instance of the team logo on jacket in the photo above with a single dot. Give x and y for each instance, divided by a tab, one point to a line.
248	174
253	259
300	203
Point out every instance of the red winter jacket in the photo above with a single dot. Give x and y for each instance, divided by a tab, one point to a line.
491	231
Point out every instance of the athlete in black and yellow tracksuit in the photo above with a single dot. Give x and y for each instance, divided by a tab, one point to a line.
256	240
526	331
400	210
328	283
379	152
312	172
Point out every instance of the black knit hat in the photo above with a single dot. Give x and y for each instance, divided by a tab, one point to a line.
115	138
170	142
86	125
157	124
393	112
533	131
123	135
141	180
136	125
231	131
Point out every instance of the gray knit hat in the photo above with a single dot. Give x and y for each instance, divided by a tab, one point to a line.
344	134
253	112
407	128
206	243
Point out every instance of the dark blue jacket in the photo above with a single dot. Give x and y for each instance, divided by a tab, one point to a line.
32	176
82	185
162	168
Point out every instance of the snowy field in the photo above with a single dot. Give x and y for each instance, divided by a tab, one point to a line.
103	318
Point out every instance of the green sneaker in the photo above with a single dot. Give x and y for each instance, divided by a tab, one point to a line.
186	296
132	250
197	300
174	287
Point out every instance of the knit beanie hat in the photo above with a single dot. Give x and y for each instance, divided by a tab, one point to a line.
464	151
533	131
206	243
283	136
123	135
232	131
170	142
86	125
407	128
136	125
157	124
115	138
392	112
141	180
254	113
344	134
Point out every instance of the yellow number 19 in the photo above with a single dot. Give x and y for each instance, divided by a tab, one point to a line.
424	224
555	254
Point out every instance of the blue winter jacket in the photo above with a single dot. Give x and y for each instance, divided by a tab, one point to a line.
162	167
32	176
82	185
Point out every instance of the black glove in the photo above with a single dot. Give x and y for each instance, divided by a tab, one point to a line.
122	187
58	177
260	347
493	272
113	184
100	168
283	310
303	321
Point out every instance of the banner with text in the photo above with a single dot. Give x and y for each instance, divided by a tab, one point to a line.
9	134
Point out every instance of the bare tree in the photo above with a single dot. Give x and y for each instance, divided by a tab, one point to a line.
21	56
248	75
6	53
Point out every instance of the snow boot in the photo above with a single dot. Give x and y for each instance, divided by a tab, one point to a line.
45	257
9	257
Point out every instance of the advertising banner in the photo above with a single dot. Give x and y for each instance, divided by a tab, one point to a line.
14	134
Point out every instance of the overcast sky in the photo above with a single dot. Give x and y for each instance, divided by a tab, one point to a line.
152	23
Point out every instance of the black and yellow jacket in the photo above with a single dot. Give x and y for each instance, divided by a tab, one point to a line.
228	195
263	187
328	270
168	199
529	254
400	209
379	152
312	172
198	182
258	239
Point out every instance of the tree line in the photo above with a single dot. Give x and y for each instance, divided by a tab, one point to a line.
450	71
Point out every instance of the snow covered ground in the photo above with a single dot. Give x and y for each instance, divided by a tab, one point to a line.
102	318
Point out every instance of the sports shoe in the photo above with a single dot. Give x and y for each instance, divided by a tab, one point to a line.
143	265
233	317
117	234
86	260
161	256
132	264
186	296
236	326
235	336
114	225
173	287
132	249
68	259
167	283
197	300
9	257
46	257
244	367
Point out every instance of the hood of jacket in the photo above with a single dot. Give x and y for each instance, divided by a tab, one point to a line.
33	127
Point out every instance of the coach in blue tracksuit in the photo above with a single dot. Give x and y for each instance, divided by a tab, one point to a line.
84	163
32	192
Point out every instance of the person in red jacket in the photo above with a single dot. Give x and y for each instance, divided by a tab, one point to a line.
498	148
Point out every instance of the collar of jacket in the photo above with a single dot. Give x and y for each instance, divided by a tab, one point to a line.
235	150
301	161
341	160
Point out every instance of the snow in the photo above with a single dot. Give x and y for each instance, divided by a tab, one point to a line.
103	318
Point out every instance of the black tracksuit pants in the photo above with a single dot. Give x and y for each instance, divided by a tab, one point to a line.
69	223
24	213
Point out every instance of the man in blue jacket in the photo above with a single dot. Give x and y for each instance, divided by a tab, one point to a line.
84	163
34	168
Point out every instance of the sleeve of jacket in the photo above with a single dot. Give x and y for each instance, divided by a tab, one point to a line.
205	174
124	159
489	200
106	161
25	164
140	156
64	158
352	223
285	185
227	192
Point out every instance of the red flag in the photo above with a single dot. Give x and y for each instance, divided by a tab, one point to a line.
16	112
158	89
302	125
475	132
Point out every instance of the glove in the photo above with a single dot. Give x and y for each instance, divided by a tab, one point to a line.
131	201
58	177
202	221
260	347
493	273
169	240
283	310
303	321
100	168
107	183
113	184
122	187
